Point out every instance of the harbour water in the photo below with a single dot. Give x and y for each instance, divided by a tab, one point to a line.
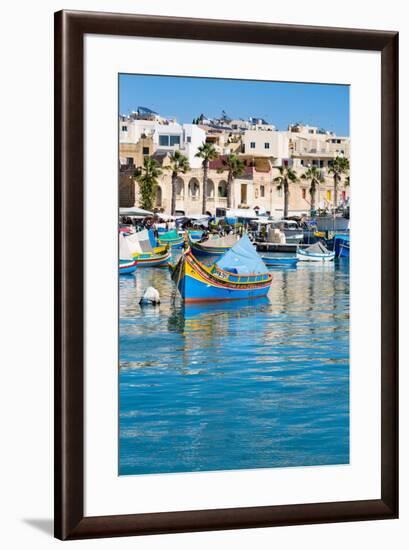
235	385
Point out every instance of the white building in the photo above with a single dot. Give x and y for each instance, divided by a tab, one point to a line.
193	138
266	144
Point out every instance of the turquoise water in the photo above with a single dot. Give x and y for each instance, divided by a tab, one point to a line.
236	385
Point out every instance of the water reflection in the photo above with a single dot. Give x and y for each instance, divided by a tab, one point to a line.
235	385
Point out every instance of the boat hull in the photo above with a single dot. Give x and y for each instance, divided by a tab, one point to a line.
320	258
199	249
126	268
177	243
279	262
153	260
197	283
342	247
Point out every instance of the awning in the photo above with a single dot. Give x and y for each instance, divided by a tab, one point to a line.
134	212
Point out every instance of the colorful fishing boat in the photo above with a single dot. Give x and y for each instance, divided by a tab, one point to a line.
315	253
146	252
239	274
127	264
279	261
172	238
127	267
213	246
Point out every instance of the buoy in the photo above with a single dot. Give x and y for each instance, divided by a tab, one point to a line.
150	297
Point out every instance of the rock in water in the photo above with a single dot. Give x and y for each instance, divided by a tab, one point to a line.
150	297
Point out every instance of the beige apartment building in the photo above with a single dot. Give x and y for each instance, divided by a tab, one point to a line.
256	188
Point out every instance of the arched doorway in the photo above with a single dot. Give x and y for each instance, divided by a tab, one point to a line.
180	188
222	189
194	189
210	189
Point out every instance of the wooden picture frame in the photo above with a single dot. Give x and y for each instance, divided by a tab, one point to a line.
70	28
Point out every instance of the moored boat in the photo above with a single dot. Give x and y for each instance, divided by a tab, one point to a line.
315	253
127	267
127	264
195	234
213	246
171	238
239	274
279	261
341	244
145	251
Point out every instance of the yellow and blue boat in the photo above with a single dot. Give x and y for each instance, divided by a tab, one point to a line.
145	251
213	246
239	274
171	238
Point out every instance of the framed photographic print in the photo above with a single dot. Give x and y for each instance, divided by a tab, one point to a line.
225	357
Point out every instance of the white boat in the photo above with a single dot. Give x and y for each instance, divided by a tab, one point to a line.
315	253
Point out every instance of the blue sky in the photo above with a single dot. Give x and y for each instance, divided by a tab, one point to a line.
280	103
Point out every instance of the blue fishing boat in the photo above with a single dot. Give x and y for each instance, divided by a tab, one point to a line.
145	249
341	244
278	261
171	238
127	267
213	246
195	234
239	274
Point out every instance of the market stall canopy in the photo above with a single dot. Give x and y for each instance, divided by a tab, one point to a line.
134	212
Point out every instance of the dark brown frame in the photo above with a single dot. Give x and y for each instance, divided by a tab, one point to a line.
70	28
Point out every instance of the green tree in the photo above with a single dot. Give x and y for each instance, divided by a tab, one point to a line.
339	166
235	168
179	164
286	176
147	178
315	177
206	152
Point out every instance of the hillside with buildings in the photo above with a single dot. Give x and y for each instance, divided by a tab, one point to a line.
262	148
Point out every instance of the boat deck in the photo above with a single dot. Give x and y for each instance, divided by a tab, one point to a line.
278	247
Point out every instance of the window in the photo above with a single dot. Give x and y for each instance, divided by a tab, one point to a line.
129	161
302	162
189	139
174	140
321	164
166	141
124	128
252	144
262	191
304	193
315	162
266	145
256	193
145	151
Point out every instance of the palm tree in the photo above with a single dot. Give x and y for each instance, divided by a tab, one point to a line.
179	164
147	178
339	166
235	168
286	176
207	152
315	177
